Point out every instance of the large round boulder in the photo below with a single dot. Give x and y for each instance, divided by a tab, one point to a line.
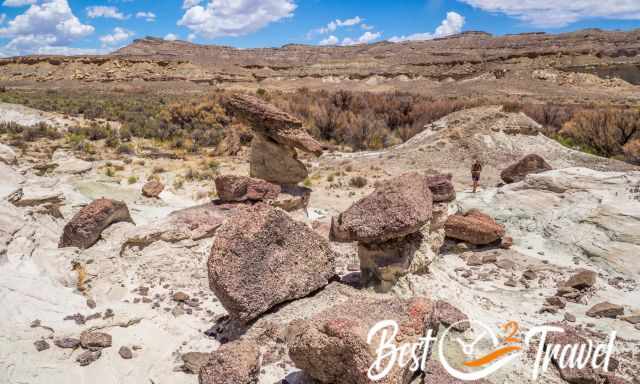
261	257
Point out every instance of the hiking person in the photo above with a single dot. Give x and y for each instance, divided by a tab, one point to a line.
476	169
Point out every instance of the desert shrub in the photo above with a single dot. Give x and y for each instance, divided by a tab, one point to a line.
607	131
125	149
551	116
29	133
358	182
132	179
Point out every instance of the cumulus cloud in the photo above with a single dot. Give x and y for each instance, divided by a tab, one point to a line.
331	40
149	16
171	37
18	3
42	27
450	26
190	3
3	17
365	38
119	35
233	17
554	13
107	12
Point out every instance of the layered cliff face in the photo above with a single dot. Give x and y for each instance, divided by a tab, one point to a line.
464	56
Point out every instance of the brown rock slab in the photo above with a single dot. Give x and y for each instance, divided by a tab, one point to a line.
397	208
606	310
85	228
527	165
292	198
67	342
180	296
474	227
332	345
95	340
270	121
152	189
232	188
237	362
274	162
633	318
583	279
261	257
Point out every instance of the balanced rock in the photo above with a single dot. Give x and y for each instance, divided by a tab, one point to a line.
474	227
332	345
274	162
527	165
261	257
399	207
441	188
241	188
237	362
87	225
153	189
271	122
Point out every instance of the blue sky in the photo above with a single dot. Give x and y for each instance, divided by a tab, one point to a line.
98	26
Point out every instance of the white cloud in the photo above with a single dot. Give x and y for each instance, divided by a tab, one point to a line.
337	23
190	3
191	37
47	26
3	17
450	26
331	40
119	35
18	3
171	37
106	12
366	27
233	17
557	13
366	38
149	16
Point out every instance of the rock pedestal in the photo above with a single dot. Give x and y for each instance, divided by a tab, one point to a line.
397	227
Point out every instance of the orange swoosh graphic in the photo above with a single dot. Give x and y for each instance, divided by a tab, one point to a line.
492	356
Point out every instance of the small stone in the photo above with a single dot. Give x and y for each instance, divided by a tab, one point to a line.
88	357
506	242
41	345
529	275
91	303
67	342
606	310
569	317
556	301
108	314
180	296
95	340
125	353
474	260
